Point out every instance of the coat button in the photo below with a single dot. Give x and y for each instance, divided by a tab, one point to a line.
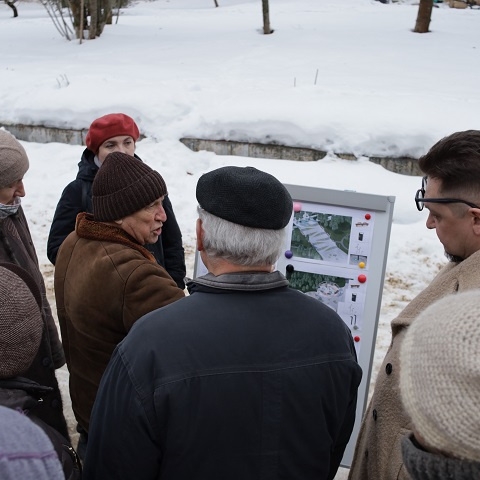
374	413
46	362
388	368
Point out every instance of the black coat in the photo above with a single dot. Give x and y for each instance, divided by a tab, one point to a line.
77	197
246	381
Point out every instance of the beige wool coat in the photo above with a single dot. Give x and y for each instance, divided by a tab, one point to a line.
104	282
378	454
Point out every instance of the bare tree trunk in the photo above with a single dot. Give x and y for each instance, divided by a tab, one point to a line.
93	8
14	8
82	11
266	18
424	15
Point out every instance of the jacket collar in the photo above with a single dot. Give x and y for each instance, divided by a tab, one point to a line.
242	281
87	227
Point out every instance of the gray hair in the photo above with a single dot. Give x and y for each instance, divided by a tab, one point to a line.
238	244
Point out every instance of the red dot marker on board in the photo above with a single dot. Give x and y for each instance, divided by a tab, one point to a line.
362	278
356	338
368	216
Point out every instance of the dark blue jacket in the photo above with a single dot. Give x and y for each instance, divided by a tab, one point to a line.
246	379
77	197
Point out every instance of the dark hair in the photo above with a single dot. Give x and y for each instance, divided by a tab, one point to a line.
455	160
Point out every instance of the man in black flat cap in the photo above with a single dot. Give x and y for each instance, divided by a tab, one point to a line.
245	378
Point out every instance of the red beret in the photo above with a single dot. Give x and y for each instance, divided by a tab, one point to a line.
109	126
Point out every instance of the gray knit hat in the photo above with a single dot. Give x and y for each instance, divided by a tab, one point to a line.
124	185
440	375
245	196
21	324
13	159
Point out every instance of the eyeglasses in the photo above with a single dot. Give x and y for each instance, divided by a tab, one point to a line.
420	199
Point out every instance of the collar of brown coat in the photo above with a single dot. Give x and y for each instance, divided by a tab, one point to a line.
87	227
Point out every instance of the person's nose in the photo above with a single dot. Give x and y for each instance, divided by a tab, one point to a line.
160	214
430	223
122	149
20	190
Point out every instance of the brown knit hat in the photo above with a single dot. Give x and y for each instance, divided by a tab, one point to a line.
440	375
109	126
13	159
124	185
21	323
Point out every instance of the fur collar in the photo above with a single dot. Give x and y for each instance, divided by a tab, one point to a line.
87	227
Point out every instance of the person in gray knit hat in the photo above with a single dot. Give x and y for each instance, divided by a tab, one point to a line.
440	389
105	278
17	248
246	377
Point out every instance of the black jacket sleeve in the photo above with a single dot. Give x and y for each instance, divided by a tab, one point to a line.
172	246
63	223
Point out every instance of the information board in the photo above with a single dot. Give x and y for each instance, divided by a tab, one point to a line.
336	251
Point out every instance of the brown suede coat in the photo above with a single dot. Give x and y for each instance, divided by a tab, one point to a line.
378	453
104	282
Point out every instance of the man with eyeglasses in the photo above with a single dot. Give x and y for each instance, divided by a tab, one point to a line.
451	193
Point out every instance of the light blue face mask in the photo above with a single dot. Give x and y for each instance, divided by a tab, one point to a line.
7	210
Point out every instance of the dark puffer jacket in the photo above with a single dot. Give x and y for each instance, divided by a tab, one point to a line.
77	197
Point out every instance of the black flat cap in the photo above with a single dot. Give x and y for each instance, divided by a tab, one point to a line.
245	196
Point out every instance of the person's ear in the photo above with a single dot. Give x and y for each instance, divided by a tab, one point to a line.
475	212
199	233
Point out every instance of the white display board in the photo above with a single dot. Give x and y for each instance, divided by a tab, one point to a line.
336	251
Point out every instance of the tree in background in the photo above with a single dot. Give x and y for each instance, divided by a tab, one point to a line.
424	15
11	4
266	18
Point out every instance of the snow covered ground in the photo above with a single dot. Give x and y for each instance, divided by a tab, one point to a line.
341	76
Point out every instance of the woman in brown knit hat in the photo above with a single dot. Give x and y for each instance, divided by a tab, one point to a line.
16	247
105	278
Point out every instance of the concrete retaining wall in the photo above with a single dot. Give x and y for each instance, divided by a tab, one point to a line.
45	134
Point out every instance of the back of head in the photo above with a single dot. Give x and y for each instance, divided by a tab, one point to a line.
124	185
21	324
109	126
455	160
13	159
244	212
440	375
26	451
